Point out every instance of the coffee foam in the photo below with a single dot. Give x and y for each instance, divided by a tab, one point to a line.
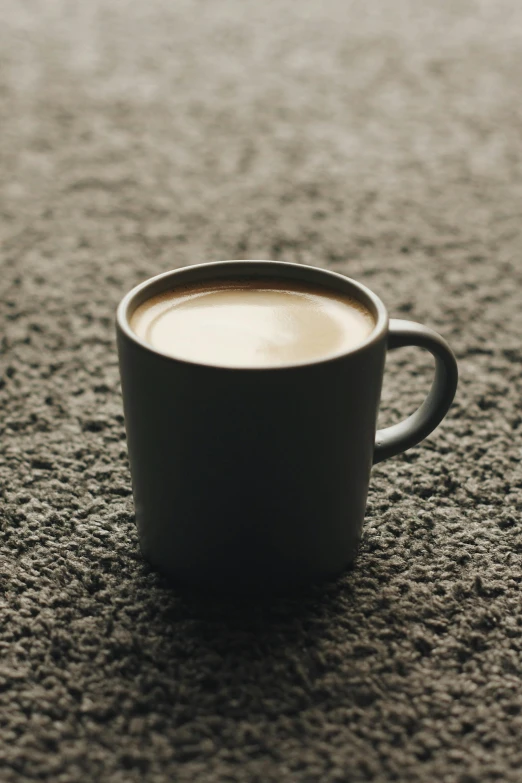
252	322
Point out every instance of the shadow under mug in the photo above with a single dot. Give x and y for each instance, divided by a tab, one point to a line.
256	479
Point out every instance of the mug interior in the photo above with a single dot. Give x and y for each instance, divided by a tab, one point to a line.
275	270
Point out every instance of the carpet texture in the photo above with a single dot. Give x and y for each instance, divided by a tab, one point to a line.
381	140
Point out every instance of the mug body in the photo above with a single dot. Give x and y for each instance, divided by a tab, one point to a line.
250	478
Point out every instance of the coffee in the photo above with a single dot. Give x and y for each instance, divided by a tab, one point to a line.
255	480
252	323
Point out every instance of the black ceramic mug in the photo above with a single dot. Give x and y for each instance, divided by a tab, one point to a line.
257	478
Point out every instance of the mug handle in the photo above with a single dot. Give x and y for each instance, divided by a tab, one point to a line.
399	437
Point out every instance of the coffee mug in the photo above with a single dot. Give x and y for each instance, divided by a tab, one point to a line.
248	478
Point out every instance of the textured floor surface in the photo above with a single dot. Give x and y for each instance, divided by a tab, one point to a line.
382	140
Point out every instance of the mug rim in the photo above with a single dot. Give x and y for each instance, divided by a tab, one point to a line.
378	332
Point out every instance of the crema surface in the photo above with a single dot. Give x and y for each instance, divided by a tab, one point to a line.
256	323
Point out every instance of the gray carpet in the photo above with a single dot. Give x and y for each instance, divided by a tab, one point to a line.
382	140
